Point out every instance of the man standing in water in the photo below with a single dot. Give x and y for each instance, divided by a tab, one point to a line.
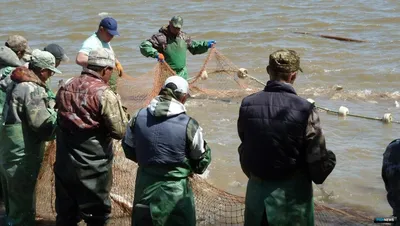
10	58
170	44
391	176
168	146
11	55
29	121
101	39
59	53
90	115
283	148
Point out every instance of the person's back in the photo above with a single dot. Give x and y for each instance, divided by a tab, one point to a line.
90	115
282	150
10	55
274	121
84	122
391	176
8	62
168	146
8	58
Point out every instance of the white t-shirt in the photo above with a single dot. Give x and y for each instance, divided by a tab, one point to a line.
92	43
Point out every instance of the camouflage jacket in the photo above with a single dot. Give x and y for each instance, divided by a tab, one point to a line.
89	116
160	40
87	104
27	104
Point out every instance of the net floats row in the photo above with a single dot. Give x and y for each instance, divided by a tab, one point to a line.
344	111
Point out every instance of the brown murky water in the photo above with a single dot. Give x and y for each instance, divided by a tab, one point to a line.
247	32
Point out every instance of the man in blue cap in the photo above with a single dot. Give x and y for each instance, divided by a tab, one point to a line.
101	39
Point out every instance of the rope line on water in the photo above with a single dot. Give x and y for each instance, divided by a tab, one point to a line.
343	111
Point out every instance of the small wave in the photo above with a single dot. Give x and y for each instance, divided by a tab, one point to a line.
235	184
104	14
334	70
205	175
340	93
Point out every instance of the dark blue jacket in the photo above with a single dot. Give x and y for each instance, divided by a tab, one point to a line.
272	126
160	141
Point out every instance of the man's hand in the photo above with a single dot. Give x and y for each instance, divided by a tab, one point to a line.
119	68
211	43
160	57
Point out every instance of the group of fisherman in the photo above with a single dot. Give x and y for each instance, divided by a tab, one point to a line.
282	148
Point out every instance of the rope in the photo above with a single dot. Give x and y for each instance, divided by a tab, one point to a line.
198	76
356	115
255	79
387	118
330	37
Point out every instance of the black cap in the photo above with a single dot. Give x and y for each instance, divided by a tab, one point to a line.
57	51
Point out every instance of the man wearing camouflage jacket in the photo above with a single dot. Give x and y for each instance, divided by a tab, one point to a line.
90	115
171	44
28	123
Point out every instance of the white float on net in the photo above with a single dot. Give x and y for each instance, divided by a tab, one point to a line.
204	75
387	118
343	111
311	101
242	73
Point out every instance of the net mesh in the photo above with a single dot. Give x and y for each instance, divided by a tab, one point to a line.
217	78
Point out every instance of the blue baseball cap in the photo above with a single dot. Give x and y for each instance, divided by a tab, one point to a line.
110	24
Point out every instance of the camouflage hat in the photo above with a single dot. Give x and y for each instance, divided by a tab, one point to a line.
101	57
17	43
285	60
177	21
44	60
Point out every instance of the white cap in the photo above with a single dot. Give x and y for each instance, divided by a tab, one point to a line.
181	84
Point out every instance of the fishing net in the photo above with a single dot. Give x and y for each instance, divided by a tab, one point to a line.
218	78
